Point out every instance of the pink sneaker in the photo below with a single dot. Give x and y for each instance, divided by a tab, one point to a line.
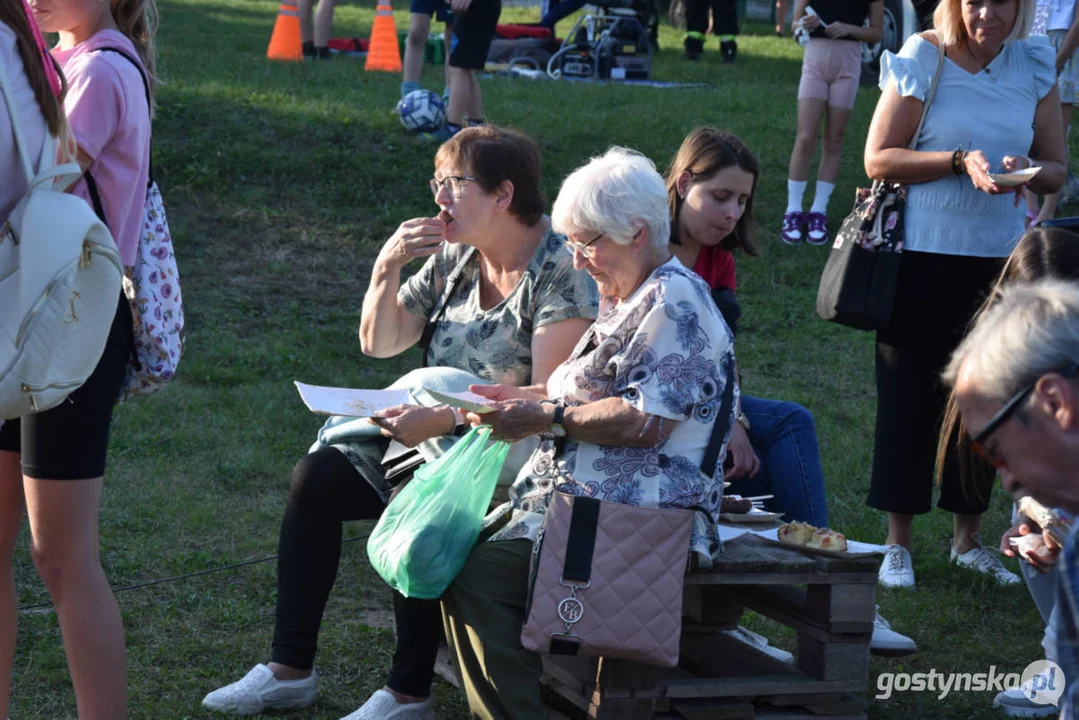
792	228
816	228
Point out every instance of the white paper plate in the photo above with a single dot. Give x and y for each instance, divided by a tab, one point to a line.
1014	178
464	400
753	516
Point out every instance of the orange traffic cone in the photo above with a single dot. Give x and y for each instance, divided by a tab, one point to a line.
285	42
384	53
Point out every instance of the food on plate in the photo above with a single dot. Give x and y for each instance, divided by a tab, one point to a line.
806	535
826	539
795	533
734	504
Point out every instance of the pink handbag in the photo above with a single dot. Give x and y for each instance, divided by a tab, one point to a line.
607	580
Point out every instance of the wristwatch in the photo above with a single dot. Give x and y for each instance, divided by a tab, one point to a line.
558	430
743	420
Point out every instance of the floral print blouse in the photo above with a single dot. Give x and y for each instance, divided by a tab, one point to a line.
666	351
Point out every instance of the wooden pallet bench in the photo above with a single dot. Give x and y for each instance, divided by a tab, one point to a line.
827	601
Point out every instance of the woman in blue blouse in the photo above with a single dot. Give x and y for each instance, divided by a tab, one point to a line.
996	108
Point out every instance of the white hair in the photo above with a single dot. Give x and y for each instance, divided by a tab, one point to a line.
1033	329
616	194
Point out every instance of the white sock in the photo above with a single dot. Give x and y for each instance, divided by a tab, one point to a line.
796	190
820	201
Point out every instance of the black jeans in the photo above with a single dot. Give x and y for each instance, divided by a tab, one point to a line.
724	16
326	491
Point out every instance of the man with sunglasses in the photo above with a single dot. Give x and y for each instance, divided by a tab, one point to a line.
1016	379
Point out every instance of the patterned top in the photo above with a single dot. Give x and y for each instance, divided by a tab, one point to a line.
949	215
1067	622
496	344
667	352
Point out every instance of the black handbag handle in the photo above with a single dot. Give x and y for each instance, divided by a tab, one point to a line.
452	280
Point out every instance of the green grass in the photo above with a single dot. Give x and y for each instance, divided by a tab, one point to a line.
281	180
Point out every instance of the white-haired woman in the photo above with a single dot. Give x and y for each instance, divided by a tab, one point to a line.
996	108
625	419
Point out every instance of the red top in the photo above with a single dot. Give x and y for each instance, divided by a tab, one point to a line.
716	266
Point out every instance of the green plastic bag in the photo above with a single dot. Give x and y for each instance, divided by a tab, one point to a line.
425	535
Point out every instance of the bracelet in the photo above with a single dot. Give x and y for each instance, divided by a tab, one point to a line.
957	161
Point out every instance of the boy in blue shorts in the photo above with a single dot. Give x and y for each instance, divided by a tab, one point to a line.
419	28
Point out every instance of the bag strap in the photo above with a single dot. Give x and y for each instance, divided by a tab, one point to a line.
12	111
440	307
91	185
146	88
581	541
720	425
932	94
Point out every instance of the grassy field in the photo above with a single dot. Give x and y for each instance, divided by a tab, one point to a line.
281	180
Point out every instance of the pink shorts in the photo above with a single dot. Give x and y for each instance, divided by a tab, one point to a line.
830	71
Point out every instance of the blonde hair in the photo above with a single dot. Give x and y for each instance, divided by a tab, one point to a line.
948	22
137	20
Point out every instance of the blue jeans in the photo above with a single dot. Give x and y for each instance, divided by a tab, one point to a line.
784	437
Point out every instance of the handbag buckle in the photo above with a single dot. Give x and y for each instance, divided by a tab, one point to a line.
571	609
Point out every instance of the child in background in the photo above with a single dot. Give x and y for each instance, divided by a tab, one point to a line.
1058	20
831	70
316	36
473	31
724	25
781	16
419	28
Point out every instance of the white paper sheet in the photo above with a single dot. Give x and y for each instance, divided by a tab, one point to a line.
349	402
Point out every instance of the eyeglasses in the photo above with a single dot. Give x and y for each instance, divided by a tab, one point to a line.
583	248
451	183
977	443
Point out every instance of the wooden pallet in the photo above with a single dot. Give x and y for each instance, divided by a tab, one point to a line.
828	601
720	677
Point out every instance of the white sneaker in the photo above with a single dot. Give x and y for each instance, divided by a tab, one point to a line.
981	559
760	642
384	706
259	690
897	570
1017	703
888	642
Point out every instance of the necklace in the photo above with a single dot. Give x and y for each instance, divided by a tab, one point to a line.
982	66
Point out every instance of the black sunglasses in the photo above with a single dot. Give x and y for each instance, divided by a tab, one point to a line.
977	443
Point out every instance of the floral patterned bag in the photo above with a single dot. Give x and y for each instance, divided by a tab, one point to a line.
152	287
857	287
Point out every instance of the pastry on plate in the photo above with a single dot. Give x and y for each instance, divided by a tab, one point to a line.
826	539
795	533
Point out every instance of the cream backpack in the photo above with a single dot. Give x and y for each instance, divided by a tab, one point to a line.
60	277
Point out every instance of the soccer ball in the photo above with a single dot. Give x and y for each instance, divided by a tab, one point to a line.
421	111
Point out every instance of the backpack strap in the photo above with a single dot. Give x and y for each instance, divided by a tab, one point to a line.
452	281
91	185
146	88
